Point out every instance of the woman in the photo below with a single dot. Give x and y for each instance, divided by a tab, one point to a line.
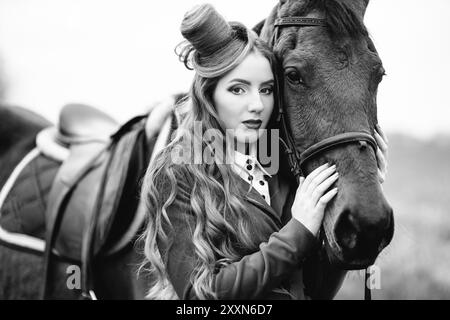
220	226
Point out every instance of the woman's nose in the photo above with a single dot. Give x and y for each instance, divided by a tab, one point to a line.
255	104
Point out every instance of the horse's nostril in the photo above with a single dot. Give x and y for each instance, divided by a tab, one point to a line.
346	231
350	240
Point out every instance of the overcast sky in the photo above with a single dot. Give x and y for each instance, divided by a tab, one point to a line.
118	55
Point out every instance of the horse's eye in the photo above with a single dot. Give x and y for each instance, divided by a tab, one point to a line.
294	77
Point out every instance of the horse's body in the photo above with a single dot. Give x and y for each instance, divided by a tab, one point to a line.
21	268
330	78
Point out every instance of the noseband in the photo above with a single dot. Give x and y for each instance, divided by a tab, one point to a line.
296	160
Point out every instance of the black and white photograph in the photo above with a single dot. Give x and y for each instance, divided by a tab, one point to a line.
253	150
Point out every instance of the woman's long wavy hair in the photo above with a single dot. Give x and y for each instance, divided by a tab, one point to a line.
222	232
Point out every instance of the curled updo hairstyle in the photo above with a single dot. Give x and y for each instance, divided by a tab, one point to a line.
223	230
213	46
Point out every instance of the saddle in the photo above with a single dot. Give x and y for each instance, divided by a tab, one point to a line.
95	190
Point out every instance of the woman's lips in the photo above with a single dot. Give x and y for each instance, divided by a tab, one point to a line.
252	124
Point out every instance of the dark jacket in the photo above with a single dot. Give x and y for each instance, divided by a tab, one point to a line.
288	258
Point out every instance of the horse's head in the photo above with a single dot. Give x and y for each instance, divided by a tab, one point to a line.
330	79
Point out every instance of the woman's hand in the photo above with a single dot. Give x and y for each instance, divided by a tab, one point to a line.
311	200
382	153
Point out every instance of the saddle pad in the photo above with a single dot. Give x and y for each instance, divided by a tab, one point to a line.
24	208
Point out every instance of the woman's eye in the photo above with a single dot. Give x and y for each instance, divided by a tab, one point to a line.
267	90
236	90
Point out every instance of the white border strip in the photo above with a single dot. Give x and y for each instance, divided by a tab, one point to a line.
18	239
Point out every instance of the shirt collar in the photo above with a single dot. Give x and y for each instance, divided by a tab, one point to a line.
241	161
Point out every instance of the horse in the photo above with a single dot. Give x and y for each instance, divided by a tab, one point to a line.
329	74
330	71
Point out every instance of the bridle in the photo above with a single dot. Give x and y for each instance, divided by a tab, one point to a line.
296	160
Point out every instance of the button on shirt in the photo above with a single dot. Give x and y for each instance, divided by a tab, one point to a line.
249	169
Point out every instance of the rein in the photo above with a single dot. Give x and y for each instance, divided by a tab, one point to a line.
296	160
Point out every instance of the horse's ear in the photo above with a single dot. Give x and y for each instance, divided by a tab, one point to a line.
364	5
259	27
359	6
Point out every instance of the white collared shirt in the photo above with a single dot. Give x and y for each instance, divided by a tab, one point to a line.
249	169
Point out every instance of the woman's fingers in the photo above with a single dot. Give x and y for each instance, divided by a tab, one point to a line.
314	174
323	201
381	176
381	143
381	160
381	133
382	153
321	177
302	181
305	208
323	187
300	184
382	166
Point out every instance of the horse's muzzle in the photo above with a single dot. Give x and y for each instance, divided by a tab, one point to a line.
361	237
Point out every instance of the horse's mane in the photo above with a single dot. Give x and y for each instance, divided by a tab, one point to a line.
342	20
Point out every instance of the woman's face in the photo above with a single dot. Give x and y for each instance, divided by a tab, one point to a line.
244	98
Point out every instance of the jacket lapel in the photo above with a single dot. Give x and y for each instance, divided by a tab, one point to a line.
278	195
279	190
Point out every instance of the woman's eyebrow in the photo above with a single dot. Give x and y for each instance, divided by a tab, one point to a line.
270	81
241	81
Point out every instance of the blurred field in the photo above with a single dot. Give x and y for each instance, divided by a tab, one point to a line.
416	265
